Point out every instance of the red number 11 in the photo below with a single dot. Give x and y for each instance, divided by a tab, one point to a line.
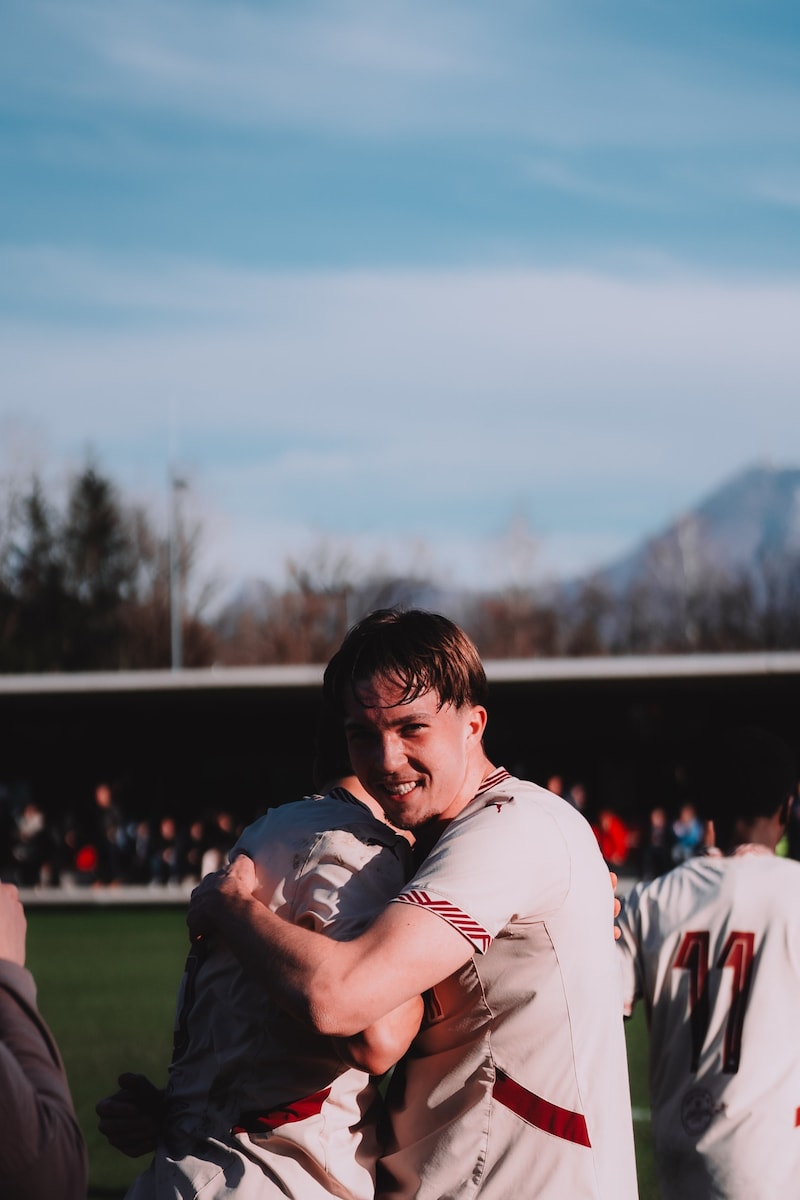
693	956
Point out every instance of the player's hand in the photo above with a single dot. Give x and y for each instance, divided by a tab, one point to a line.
131	1118
13	925
218	893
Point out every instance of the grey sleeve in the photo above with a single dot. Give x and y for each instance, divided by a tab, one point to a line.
42	1151
629	951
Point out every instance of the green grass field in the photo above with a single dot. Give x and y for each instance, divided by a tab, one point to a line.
107	979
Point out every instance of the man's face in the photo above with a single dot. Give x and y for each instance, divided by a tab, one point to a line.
420	761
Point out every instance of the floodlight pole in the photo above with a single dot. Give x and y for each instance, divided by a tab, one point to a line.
176	485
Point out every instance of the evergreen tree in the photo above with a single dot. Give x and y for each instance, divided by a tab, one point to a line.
99	570
35	602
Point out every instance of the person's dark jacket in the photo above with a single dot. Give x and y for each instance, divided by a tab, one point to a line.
42	1151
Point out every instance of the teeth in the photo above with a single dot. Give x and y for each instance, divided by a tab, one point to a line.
400	789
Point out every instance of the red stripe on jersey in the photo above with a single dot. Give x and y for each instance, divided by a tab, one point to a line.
570	1126
298	1110
479	936
491	781
797	1118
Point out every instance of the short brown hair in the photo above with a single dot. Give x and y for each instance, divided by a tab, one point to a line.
415	650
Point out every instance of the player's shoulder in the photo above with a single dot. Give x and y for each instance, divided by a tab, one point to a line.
335	808
679	891
537	812
520	819
305	820
501	789
776	870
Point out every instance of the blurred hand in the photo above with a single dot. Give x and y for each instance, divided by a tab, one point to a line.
131	1118
218	891
13	925
617	903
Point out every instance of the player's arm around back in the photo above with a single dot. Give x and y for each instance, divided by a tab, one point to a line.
339	988
378	1047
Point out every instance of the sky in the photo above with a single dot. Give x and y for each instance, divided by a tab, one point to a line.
487	292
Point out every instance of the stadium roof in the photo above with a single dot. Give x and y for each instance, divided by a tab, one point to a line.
528	670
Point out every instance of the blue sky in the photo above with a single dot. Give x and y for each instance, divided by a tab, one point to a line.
397	280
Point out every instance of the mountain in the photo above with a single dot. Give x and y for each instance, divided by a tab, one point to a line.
751	522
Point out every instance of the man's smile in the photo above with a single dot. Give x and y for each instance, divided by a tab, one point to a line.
398	789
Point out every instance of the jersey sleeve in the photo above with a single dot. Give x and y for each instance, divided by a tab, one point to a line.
507	858
629	949
346	882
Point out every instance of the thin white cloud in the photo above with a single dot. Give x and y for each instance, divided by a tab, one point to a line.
780	189
543	74
560	176
415	404
346	64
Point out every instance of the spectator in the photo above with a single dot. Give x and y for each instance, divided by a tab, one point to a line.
138	841
612	837
31	847
220	838
576	796
192	846
656	855
165	864
106	834
42	1153
687	834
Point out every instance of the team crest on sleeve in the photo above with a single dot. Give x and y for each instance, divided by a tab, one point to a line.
697	1110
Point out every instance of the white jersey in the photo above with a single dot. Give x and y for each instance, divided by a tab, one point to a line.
517	1085
713	948
253	1097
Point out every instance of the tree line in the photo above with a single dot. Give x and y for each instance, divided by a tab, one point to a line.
86	584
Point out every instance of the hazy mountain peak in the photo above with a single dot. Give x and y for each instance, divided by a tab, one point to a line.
751	519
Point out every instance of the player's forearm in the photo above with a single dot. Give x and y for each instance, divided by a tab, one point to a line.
383	1043
338	988
292	964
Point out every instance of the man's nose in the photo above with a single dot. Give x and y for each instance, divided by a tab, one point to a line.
392	752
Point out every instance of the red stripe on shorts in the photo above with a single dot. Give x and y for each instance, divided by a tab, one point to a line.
298	1110
541	1113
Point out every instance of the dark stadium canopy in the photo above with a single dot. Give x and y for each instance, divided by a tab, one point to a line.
242	738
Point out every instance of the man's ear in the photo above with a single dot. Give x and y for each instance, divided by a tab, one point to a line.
477	721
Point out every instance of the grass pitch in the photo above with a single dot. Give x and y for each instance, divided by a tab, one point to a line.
107	979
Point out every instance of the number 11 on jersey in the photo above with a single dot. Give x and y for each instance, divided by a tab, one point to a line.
737	955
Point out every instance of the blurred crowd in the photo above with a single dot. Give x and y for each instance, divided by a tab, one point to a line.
105	846
650	847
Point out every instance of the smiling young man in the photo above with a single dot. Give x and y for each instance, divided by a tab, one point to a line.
517	1082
